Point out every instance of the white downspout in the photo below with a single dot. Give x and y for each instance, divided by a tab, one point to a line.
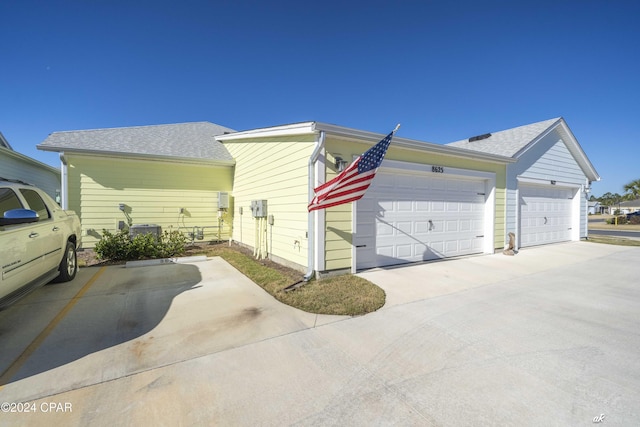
64	179
311	218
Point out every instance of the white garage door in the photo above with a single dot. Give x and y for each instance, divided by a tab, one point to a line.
545	214
408	217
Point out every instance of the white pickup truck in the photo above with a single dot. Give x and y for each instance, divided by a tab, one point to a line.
38	240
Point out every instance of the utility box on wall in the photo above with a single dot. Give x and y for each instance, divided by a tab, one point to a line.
259	208
154	229
223	200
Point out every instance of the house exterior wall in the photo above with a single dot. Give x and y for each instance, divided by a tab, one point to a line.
14	166
152	191
547	160
273	169
339	219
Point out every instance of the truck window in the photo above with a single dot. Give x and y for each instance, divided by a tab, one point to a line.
36	203
8	200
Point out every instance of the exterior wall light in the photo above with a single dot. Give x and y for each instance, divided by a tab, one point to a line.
341	164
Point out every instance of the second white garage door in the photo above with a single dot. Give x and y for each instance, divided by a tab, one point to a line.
546	214
408	217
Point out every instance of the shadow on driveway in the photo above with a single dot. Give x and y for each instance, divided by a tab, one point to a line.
122	305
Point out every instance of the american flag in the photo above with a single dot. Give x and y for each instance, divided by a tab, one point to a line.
352	182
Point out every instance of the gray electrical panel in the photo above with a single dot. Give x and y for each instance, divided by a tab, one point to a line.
259	208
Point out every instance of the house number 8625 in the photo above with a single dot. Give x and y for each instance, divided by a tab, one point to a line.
437	169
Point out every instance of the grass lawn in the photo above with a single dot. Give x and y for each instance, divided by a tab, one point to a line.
343	295
612	240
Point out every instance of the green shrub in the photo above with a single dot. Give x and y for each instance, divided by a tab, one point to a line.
172	243
635	220
121	247
113	246
143	246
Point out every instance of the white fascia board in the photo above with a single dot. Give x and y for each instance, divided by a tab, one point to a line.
411	144
360	136
292	129
4	142
576	149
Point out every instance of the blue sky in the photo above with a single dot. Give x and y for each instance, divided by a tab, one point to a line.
446	70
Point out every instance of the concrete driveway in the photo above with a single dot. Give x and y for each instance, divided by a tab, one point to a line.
548	337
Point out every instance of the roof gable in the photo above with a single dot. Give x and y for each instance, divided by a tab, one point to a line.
630	203
517	141
508	142
194	140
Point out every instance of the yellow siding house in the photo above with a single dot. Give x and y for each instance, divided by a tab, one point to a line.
166	175
427	201
462	214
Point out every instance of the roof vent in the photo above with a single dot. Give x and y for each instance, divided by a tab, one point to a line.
479	137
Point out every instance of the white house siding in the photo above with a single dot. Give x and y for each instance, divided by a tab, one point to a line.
273	169
547	160
17	166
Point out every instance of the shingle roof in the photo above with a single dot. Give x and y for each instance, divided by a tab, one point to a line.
507	142
630	203
181	140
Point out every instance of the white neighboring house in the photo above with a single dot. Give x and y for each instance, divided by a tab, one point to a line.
14	165
548	185
626	207
597	208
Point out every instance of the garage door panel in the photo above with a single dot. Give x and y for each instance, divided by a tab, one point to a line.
545	214
466	207
437	206
421	227
384	229
437	247
451	246
404	251
403	228
422	206
404	206
437	226
465	244
386	251
420	217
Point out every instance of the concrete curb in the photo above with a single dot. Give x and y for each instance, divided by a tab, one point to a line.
161	261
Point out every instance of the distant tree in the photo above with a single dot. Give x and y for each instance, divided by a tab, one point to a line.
609	199
593	198
632	189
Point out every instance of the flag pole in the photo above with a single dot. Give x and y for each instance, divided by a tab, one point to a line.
396	129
